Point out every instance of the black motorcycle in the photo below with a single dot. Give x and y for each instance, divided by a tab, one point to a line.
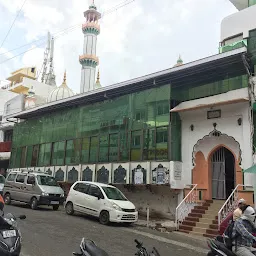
10	236
89	248
218	247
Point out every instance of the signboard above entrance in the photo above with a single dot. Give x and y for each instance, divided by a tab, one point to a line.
213	114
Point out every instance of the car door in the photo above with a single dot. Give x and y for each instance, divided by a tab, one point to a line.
30	188
95	200
20	188
79	197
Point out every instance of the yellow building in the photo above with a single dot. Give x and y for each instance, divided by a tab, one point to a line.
18	83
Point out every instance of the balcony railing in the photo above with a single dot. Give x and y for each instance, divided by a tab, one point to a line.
5	146
233	46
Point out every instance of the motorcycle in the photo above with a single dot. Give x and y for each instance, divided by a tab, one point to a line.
89	248
218	247
10	235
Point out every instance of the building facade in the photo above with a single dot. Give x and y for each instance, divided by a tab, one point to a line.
190	124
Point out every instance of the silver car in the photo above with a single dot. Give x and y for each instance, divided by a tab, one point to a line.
34	189
2	181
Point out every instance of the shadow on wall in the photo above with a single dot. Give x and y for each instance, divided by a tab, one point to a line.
161	200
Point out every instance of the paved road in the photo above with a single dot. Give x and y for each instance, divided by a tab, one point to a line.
49	233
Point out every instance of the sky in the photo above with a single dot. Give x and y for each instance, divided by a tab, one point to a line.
139	38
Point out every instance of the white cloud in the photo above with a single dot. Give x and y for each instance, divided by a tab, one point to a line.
139	38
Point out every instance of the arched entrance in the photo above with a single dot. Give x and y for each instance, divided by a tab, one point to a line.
216	162
222	163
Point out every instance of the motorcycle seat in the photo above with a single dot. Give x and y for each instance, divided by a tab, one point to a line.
93	249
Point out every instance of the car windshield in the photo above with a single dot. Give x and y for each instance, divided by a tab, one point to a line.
114	194
2	179
46	180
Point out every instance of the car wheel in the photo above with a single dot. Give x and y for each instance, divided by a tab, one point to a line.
34	203
69	208
55	207
104	217
7	199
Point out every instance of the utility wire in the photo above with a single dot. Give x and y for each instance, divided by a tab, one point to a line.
12	24
66	30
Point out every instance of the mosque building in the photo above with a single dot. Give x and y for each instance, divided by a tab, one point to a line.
169	140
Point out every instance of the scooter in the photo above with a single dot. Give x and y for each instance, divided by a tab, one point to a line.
10	235
89	248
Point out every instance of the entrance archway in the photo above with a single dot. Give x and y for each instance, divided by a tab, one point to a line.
220	153
222	164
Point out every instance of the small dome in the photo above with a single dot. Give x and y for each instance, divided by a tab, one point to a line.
61	92
97	83
179	62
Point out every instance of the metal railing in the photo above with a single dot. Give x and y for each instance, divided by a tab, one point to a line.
230	204
186	205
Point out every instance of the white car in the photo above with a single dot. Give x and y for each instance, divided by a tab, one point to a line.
103	201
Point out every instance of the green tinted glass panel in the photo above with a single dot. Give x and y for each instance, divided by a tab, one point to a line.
41	155
23	157
252	2
113	147
18	157
140	111
124	147
85	150
94	146
162	143
29	155
13	156
47	154
58	153
103	149
136	142
149	151
73	151
35	155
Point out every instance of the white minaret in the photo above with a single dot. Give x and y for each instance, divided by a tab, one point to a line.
89	60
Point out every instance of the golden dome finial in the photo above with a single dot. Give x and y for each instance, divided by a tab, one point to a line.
98	76
64	78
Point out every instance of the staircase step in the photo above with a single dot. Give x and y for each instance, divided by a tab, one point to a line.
185	227
212	211
189	223
210	216
214	226
201	207
200	211
212	232
203	225
194	219
197	215
208	221
215	222
200	230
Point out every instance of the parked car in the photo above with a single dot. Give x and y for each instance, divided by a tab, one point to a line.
2	181
33	188
101	200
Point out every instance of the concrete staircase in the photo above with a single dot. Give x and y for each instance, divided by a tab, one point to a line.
203	220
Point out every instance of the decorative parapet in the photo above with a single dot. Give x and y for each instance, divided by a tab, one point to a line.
233	46
91	27
88	60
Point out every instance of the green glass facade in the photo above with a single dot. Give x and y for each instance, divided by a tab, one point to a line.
134	127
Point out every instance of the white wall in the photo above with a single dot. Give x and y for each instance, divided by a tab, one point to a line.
40	89
227	124
240	22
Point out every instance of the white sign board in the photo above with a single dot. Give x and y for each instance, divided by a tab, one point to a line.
176	175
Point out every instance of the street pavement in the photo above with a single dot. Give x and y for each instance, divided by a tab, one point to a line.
49	233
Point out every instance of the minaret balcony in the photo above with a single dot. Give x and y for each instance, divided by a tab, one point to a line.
91	27
89	60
